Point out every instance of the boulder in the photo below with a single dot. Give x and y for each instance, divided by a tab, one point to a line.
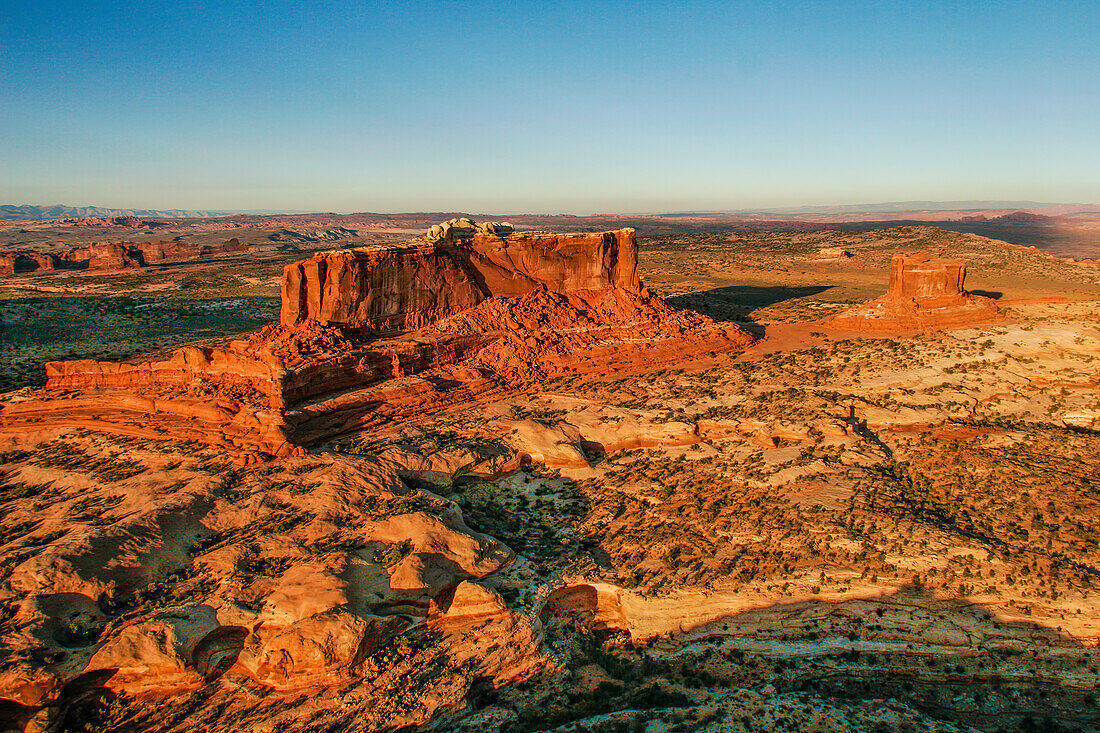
473	600
309	651
158	652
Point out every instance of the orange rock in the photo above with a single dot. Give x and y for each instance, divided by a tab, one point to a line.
450	270
482	309
925	293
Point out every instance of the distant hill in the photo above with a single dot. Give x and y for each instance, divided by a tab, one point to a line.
908	207
60	211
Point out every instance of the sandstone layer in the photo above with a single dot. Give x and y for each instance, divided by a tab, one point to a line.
925	293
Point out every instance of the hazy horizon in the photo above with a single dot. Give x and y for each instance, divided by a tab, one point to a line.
885	208
563	108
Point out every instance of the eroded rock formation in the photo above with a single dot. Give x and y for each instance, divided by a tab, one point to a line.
372	334
451	269
12	263
115	256
925	293
104	256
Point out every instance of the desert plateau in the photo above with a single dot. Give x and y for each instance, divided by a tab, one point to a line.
572	367
483	479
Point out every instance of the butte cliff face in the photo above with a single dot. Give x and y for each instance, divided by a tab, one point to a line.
451	269
925	293
374	334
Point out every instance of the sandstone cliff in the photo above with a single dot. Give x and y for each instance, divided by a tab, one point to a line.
12	263
449	270
115	256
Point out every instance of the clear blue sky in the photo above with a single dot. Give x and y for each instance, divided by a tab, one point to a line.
556	106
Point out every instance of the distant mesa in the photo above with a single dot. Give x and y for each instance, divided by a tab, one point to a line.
114	256
380	333
925	294
332	234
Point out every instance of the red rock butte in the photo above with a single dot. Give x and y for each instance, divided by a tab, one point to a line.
925	294
371	335
114	256
451	269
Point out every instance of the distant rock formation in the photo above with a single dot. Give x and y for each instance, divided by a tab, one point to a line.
102	216
181	251
333	234
114	256
104	256
925	293
381	333
12	263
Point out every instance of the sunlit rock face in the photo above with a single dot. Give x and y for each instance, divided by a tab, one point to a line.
452	268
375	333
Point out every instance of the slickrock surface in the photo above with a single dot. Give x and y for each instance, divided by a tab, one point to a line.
925	293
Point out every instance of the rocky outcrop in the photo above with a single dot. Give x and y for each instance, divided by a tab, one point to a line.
333	234
12	263
229	246
451	269
115	256
104	256
925	293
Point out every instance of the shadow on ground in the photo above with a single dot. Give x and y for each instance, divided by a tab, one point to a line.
736	302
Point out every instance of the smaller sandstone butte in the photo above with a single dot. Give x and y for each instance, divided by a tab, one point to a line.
104	256
925	294
381	333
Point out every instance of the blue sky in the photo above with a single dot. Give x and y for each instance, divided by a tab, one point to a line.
557	106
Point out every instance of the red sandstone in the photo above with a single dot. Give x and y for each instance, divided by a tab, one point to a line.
373	334
925	293
114	256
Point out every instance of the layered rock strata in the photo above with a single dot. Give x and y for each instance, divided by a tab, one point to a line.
375	334
115	256
925	293
451	269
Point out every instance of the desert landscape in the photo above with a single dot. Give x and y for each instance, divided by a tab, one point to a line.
573	367
487	479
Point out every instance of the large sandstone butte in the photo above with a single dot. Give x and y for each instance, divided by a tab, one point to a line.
925	293
451	269
372	334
